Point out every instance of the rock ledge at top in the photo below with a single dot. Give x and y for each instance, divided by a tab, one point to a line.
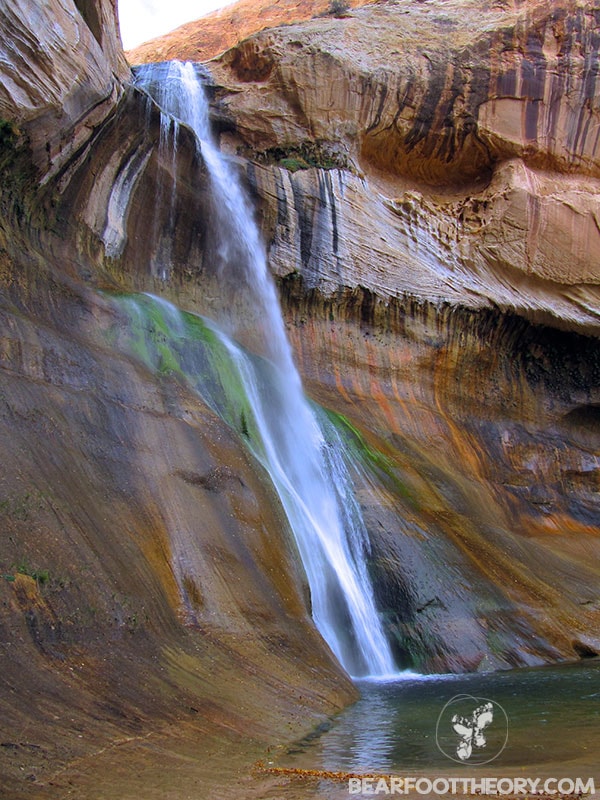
224	28
472	131
439	90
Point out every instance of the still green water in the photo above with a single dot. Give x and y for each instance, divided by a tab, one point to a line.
545	722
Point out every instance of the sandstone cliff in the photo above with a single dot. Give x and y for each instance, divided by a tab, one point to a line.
428	178
228	26
150	588
470	132
428	202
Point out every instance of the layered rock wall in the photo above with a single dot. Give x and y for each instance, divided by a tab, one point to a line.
528	242
425	208
149	584
436	91
481	457
471	135
60	80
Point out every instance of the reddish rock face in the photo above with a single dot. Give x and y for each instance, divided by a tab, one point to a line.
230	25
135	524
472	137
477	471
426	177
437	91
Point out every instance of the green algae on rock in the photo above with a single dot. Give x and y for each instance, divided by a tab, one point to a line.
453	324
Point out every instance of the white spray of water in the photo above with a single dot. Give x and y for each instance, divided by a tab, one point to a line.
307	471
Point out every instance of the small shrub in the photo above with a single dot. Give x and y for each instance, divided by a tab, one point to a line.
40	576
337	8
294	164
304	155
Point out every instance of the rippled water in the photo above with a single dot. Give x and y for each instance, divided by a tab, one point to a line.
551	725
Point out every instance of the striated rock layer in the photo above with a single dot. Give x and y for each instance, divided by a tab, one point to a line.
478	472
469	134
228	26
153	610
426	179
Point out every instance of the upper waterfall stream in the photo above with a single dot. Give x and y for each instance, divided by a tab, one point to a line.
261	393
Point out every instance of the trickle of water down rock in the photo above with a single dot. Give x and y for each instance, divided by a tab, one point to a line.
305	464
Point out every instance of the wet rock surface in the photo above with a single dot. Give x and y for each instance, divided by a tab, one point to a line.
439	278
476	476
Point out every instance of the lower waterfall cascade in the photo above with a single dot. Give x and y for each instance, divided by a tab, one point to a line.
282	430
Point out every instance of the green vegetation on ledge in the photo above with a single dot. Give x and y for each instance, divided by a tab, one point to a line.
294	157
371	459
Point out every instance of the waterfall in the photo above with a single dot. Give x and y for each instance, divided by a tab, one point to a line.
305	466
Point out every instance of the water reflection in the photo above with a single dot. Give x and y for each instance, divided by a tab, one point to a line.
553	716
